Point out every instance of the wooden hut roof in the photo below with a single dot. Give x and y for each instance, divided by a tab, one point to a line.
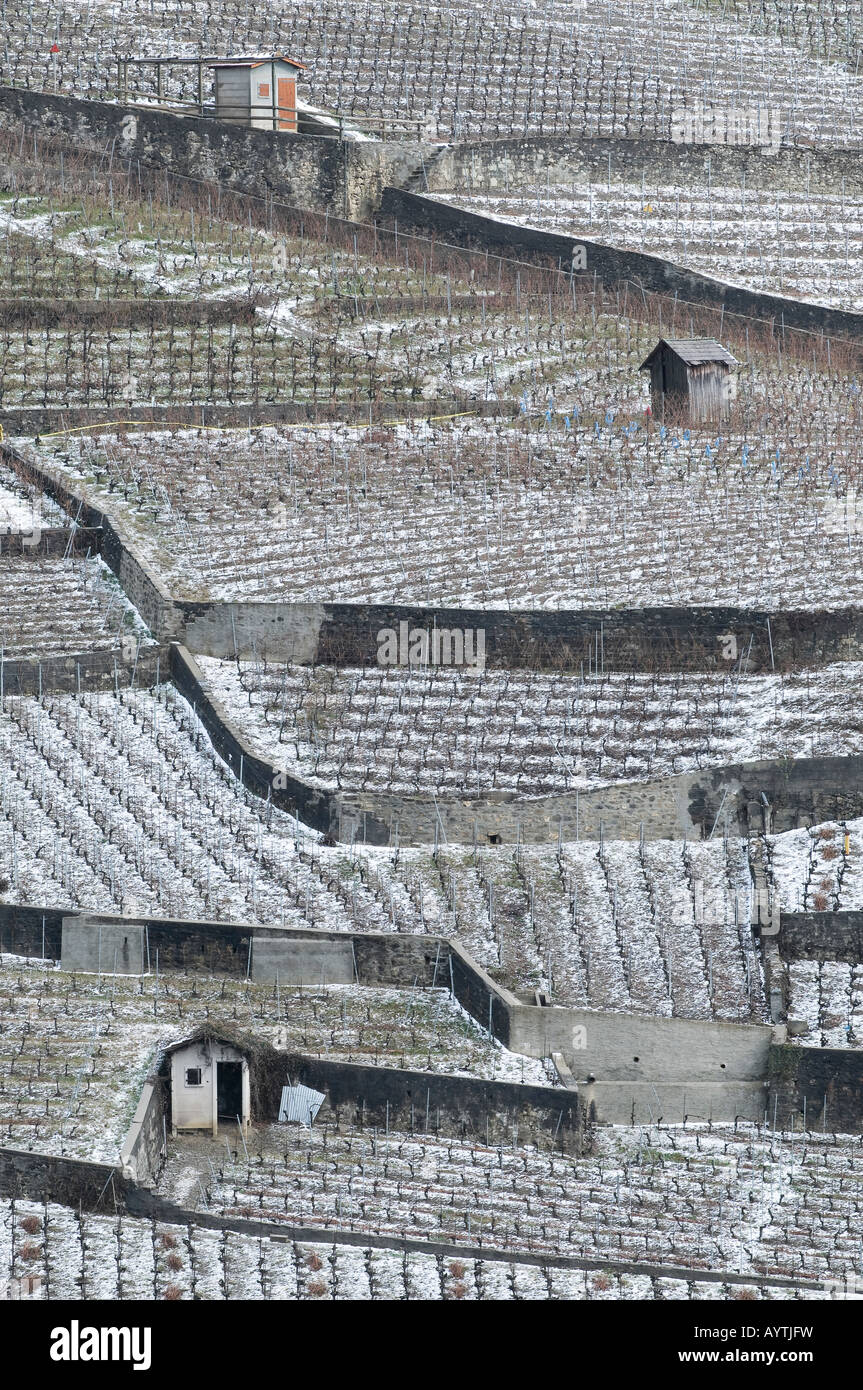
253	62
694	351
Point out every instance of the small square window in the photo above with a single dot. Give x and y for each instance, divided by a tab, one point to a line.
263	89
193	1076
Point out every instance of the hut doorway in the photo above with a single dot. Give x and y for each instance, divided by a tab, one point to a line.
229	1090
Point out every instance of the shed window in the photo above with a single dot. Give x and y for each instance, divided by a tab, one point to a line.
263	89
193	1076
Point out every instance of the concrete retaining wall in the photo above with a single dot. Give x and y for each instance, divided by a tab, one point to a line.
629	1067
102	947
291	961
639	639
144	1150
83	671
420	1102
828	1079
821	936
648	1102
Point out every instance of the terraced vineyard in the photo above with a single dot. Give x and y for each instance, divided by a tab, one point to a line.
76	1049
121	1258
232	422
804	248
586	509
616	70
533	733
733	1198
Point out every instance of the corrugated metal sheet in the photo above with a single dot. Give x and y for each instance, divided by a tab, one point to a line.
300	1104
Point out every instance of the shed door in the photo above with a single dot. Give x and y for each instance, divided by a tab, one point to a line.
229	1090
287	103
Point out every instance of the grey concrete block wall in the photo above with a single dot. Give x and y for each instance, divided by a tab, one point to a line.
303	962
625	1047
646	1103
95	946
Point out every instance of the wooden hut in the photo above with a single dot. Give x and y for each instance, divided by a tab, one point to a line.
692	378
257	92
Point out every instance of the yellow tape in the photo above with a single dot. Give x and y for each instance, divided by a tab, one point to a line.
151	426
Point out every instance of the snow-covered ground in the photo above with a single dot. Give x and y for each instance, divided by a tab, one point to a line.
24	510
612	70
84	1044
391	728
64	1255
827	996
818	869
51	607
801	245
487	513
737	1199
16	513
